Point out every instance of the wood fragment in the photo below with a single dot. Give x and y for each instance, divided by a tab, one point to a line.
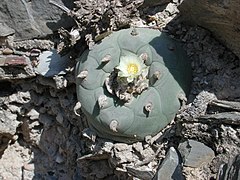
231	118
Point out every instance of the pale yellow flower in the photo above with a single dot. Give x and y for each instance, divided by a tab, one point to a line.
131	66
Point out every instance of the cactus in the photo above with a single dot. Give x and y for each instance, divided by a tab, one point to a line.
130	83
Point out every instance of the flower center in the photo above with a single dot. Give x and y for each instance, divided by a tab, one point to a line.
132	68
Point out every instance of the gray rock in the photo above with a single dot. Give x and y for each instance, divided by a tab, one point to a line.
170	167
59	158
46	119
60	81
34	44
141	173
8	122
232	118
5	30
220	17
32	19
231	105
20	97
14	109
59	118
12	162
231	170
28	171
45	82
171	8
195	154
155	2
15	67
51	64
198	107
33	114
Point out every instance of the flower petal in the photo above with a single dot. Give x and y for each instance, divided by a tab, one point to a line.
124	59
145	71
130	79
123	74
131	66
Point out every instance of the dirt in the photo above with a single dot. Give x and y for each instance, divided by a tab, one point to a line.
42	138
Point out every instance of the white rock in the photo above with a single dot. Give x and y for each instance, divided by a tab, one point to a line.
33	114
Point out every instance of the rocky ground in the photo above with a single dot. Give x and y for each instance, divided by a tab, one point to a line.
44	136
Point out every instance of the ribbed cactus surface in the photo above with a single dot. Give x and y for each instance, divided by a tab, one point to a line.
143	112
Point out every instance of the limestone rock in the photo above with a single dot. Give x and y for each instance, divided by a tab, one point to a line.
8	123
12	162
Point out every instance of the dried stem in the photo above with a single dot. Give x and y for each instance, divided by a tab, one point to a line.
62	7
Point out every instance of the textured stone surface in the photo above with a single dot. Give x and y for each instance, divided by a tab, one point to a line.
125	105
195	154
12	162
220	17
8	122
155	2
15	67
170	167
224	117
5	30
230	170
31	19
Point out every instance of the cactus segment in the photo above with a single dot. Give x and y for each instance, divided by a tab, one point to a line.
171	47
130	83
148	50
158	70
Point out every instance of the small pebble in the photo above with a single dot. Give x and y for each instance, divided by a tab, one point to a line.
59	159
59	118
7	51
33	114
28	167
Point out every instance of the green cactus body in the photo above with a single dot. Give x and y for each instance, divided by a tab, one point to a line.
150	111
